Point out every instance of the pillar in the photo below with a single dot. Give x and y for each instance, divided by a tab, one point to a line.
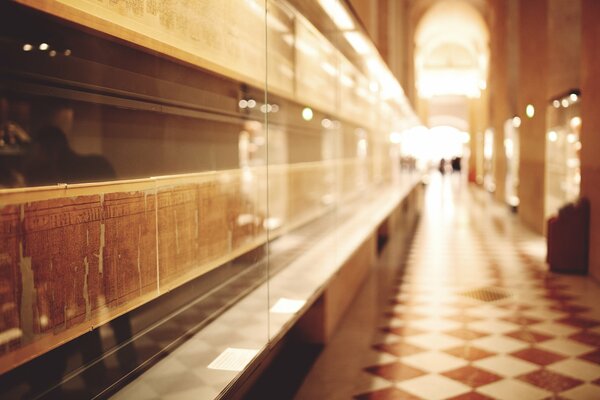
533	70
473	142
397	41
422	110
367	11
478	122
498	88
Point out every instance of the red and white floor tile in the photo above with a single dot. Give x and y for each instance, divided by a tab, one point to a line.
476	314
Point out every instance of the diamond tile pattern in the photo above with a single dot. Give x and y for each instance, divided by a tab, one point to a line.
521	320
506	366
433	361
470	353
402	331
472	376
434	387
538	356
591	338
471	396
579	322
578	369
474	314
528	336
386	394
434	341
593	356
508	389
531	335
466	334
566	347
398	349
395	371
551	381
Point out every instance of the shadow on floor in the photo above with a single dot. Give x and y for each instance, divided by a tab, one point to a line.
287	371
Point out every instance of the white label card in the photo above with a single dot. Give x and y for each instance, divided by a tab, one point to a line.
233	359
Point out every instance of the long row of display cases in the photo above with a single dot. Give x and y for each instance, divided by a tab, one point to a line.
263	43
217	131
307	262
186	227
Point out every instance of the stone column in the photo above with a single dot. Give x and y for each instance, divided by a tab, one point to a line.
473	141
367	12
478	121
422	110
498	88
533	71
397	40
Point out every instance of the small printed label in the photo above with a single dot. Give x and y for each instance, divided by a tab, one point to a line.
233	359
287	306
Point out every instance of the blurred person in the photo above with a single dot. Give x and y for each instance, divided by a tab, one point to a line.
456	164
442	166
51	160
14	141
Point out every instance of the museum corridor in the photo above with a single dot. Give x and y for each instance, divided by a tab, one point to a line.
473	314
299	199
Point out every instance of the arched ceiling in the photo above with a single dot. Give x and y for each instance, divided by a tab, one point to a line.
449	54
451	48
450	111
455	20
449	120
418	8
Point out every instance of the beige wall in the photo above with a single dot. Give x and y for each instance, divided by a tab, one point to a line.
533	72
548	65
475	144
397	41
478	123
388	24
590	137
535	51
564	46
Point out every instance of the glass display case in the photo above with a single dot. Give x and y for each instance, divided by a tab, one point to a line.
178	182
488	160
512	150
563	148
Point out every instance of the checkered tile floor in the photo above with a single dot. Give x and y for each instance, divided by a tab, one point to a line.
442	338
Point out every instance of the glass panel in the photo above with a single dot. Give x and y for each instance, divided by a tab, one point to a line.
330	166
563	146
133	218
302	155
511	150
181	180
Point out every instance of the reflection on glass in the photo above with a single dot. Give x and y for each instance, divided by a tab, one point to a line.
338	14
516	122
488	155
177	200
287	306
307	114
563	176
511	149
